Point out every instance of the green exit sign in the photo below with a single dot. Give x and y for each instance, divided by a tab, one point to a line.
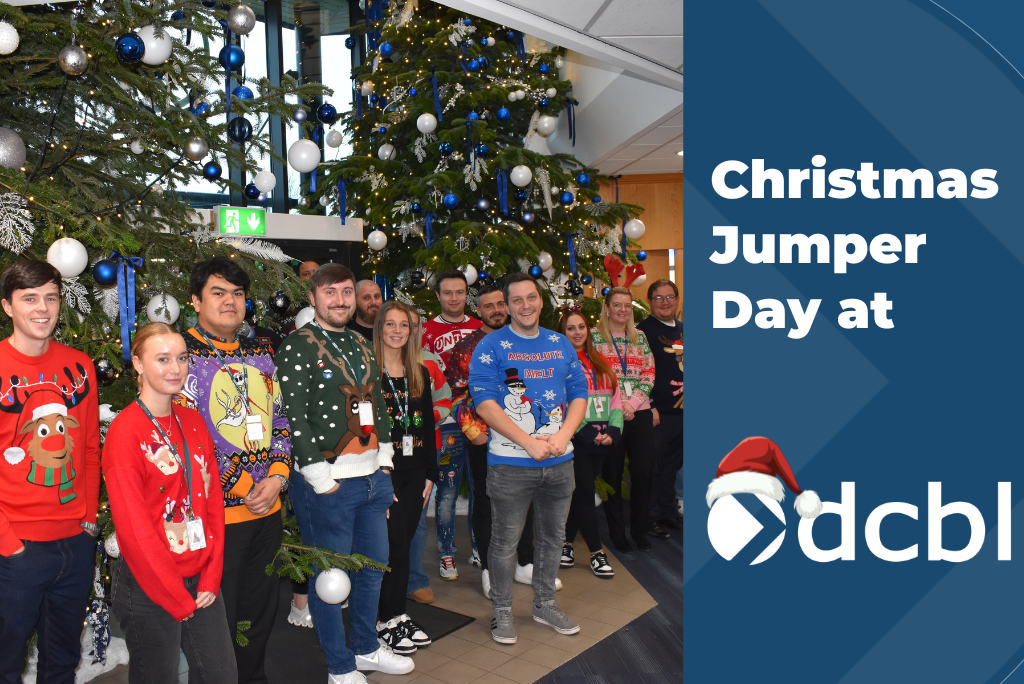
242	221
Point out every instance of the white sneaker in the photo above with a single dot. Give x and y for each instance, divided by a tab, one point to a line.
385	660
486	579
448	570
524	575
353	677
475	559
393	635
300	617
413	631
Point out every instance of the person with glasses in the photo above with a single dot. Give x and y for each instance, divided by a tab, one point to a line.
665	334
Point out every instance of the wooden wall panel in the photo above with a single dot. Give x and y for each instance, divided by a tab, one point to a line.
661	196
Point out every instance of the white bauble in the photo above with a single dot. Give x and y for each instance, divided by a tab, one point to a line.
426	123
634	229
512	97
333	586
640	280
489	40
333	139
68	256
163	308
366	88
265	181
111	547
551	92
520	176
546	125
520	94
544	261
555	190
377	240
158	50
9	38
137	147
470	271
559	62
324	200
304	155
304	316
386	151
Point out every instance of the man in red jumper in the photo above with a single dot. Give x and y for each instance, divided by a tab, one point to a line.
49	480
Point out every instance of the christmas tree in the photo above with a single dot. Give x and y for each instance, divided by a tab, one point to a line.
442	172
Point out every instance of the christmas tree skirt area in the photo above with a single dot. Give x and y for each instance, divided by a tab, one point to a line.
294	654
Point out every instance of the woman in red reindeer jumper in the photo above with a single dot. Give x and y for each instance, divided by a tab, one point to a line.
159	464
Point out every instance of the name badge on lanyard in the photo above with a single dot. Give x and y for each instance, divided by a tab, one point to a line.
627	389
196	536
254	427
407	445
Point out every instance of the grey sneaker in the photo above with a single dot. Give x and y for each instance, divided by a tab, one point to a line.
502	630
551	615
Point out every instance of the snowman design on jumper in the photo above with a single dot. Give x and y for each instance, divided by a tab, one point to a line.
518	407
554	424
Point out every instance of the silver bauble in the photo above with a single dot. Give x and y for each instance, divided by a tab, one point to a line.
72	60
9	38
324	200
12	149
196	148
304	202
241	20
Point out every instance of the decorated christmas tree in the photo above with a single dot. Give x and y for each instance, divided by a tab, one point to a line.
442	172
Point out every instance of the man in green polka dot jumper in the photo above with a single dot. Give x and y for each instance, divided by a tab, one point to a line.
341	482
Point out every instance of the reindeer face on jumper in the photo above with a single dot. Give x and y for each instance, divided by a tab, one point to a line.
158	454
50	444
175	527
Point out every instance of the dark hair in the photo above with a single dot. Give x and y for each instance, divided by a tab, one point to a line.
25	275
331	274
602	369
519	278
488	289
446	274
661	282
226	268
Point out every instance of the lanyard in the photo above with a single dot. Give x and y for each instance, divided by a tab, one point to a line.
242	389
355	353
403	415
622	360
590	374
186	466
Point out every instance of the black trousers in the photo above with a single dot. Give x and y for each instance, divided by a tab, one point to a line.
249	593
482	511
154	638
638	441
582	512
403	519
668	441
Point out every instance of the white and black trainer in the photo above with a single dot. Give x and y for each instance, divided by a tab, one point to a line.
413	631
568	559
393	635
599	566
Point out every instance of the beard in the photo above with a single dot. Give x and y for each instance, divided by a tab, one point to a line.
336	317
368	315
497	320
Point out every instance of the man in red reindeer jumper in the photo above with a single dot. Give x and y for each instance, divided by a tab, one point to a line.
49	480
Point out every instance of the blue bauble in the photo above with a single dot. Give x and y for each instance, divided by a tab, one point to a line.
105	272
209	3
596	199
528	217
503	114
373	97
239	130
242	92
251	191
445	148
130	48
483	204
382	130
566	198
536	271
326	113
211	171
605	290
467	22
641	255
416	207
482	275
544	68
300	116
350	42
473	65
231	57
469	41
520	195
484	62
200	106
472	116
587	279
582	179
413	92
482	150
511	35
451	200
544	102
177	15
250	308
386	49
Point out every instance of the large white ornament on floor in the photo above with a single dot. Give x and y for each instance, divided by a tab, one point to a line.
163	308
634	229
520	176
333	586
68	256
158	50
304	316
304	155
546	125
377	240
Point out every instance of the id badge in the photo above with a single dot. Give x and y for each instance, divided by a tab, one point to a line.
254	427
627	389
196	536
366	416
407	445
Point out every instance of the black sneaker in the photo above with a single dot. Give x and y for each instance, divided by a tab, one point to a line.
568	560
621	545
641	542
599	566
657	531
413	631
393	635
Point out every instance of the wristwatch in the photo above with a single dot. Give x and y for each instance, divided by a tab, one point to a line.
284	481
91	527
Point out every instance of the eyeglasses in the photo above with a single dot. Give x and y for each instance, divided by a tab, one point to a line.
668	299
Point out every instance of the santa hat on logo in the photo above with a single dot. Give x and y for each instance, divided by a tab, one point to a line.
754	467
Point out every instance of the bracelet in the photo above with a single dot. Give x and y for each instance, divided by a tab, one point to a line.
91	527
284	481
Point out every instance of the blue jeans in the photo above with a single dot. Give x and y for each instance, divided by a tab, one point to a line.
417	578
452	460
350	520
45	589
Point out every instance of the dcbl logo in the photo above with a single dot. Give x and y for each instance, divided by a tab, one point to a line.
753	467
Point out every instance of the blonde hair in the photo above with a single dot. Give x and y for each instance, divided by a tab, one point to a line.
145	334
412	359
602	325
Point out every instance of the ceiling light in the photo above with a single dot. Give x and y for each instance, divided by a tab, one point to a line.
680	153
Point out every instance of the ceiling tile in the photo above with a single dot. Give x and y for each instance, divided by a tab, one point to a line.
573	13
676	120
655	166
660	48
661	135
622	18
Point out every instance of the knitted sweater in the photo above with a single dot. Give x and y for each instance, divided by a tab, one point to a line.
457	372
604	411
149	499
210	390
50	439
533	379
324	377
440	392
639	362
424	453
667	347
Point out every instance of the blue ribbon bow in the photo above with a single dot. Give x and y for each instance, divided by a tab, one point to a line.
341	199
227	77
428	232
126	297
570	243
312	174
437	96
502	177
520	45
572	119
